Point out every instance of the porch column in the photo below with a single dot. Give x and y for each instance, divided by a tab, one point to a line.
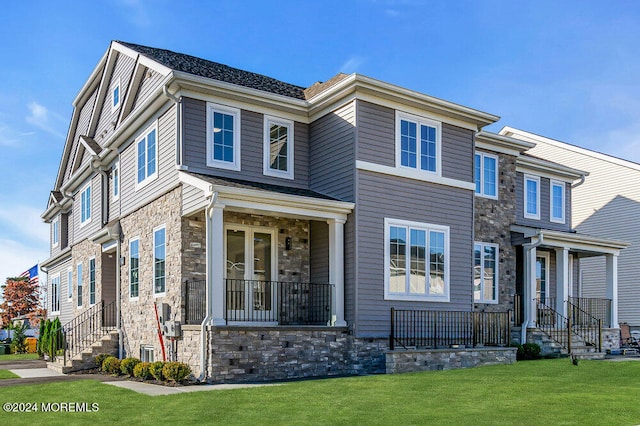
529	286
562	280
336	268
612	287
215	258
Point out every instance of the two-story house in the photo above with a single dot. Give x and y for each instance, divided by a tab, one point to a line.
269	229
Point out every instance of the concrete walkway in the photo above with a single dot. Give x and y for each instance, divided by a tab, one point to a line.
155	390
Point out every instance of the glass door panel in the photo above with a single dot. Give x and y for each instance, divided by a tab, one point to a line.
236	261
262	291
541	279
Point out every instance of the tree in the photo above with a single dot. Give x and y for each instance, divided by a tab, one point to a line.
21	297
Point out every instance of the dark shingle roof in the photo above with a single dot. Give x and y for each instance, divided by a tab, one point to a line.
204	68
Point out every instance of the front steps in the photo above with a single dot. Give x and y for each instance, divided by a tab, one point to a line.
107	344
557	346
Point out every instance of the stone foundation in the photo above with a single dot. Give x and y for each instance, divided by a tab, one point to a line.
407	361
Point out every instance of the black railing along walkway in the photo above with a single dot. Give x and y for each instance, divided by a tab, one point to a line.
443	329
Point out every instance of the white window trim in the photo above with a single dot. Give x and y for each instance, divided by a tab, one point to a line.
483	155
80	287
154	176
526	197
419	120
114	107
70	283
267	170
153	266
496	272
95	282
53	278
551	204
55	229
116	172
88	220
129	261
235	112
388	223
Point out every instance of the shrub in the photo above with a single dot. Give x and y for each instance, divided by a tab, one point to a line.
176	371
99	359
528	351
111	365
19	342
128	364
156	370
141	371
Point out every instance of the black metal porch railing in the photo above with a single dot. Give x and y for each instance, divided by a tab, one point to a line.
88	327
585	325
553	324
594	307
443	329
284	303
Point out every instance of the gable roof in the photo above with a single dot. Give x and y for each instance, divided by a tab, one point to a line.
214	70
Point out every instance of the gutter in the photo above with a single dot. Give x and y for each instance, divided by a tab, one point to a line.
209	285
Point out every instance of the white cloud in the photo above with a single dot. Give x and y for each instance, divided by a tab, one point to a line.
45	120
17	257
23	222
10	137
352	64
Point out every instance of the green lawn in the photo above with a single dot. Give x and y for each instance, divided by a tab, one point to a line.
547	392
6	374
13	357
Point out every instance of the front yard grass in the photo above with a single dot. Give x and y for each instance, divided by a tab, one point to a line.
535	392
14	357
6	374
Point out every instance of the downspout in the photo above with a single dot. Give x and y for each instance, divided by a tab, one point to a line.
209	285
582	179
523	331
116	236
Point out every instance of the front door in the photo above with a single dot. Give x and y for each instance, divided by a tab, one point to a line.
542	277
250	273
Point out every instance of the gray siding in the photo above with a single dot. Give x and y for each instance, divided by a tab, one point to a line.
114	203
376	134
251	147
81	129
80	233
66	309
319	252
132	199
192	199
457	153
147	86
381	197
63	234
545	206
332	153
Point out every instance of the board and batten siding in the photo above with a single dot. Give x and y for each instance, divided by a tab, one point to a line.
380	197
332	153
82	128
545	206
194	137
606	205
131	198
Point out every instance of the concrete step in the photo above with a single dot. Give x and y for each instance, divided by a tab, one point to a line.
85	359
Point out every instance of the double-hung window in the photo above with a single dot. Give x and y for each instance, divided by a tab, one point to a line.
85	205
70	283
485	273
147	155
55	293
55	231
416	261
223	137
278	147
418	143
486	174
92	281
532	197
557	202
159	261
79	284
134	268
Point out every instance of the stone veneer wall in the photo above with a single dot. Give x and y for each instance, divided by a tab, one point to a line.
407	361
492	222
82	253
138	316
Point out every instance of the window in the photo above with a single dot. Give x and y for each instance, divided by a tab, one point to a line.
486	175
417	143
55	232
146	353
557	202
416	261
532	197
278	147
485	273
85	205
147	154
70	283
223	137
55	293
79	285
134	267
92	281
159	258
115	175
115	96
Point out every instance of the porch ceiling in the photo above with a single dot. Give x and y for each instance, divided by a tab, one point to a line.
586	245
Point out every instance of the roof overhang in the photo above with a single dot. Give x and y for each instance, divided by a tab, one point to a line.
540	167
269	202
63	256
586	244
502	144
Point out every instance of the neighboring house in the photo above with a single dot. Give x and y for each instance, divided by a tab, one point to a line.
607	203
274	227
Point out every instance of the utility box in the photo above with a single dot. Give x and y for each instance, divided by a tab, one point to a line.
163	312
171	329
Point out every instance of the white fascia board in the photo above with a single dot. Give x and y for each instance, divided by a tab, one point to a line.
548	169
64	255
95	75
573	241
502	144
414	174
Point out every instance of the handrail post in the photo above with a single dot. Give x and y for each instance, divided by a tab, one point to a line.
569	330
391	335
599	335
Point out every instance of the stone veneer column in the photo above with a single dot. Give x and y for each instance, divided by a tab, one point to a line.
336	267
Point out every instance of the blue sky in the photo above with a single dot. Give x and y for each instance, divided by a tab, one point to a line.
568	70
